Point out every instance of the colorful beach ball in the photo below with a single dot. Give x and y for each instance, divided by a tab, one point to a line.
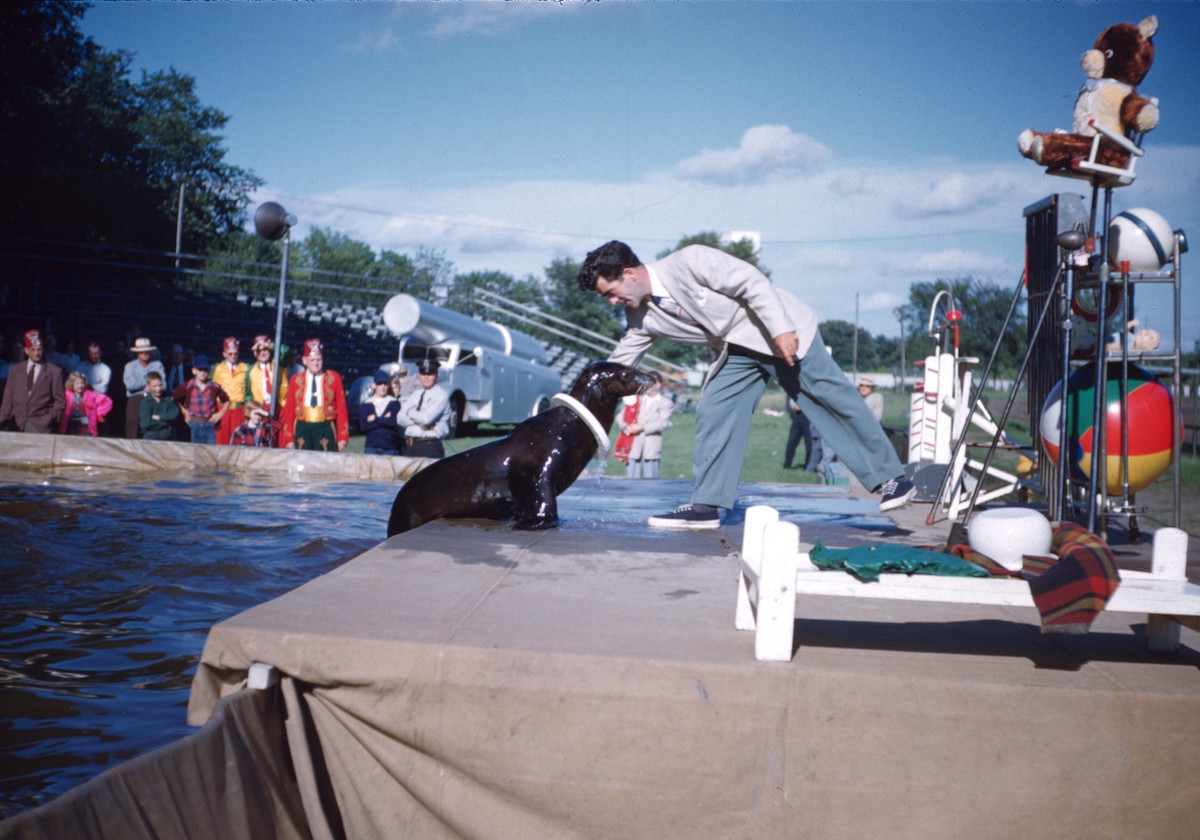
1153	425
1141	237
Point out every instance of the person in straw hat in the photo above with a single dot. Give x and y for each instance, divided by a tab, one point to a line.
143	362
866	388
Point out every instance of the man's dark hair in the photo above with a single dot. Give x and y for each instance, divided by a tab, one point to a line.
607	261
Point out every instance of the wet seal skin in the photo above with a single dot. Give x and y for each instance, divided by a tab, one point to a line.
519	477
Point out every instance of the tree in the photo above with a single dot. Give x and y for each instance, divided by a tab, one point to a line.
983	305
743	249
93	156
463	296
243	261
346	259
566	300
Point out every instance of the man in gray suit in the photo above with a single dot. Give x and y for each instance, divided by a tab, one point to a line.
700	295
34	396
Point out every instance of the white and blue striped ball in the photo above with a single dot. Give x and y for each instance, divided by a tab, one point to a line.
1143	238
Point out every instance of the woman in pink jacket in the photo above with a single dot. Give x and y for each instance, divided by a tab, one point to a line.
86	409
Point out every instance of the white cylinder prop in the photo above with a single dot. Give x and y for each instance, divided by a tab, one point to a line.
1007	534
426	323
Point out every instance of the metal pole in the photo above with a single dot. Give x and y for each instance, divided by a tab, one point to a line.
1060	507
287	238
179	228
1098	479
855	353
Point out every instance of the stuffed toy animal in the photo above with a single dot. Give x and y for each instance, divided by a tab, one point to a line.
1114	67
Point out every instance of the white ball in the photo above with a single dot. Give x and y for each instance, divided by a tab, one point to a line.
1141	236
1007	534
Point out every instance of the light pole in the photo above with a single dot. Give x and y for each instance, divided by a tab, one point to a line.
272	222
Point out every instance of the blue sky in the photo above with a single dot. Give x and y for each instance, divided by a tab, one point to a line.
871	145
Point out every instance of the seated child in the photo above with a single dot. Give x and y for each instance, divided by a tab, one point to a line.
258	430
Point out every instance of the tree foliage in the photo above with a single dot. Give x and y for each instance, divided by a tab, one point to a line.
92	155
983	305
463	295
563	298
743	249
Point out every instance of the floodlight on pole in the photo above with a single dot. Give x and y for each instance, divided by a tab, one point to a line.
272	222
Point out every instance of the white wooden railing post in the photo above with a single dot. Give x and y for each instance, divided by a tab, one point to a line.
757	519
1169	560
776	611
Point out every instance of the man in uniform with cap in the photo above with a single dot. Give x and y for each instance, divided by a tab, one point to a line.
425	415
315	415
264	376
135	382
230	374
34	395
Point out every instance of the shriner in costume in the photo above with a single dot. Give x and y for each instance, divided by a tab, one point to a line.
230	374
265	375
315	417
34	394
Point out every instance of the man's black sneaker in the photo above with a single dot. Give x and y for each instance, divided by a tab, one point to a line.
896	493
690	517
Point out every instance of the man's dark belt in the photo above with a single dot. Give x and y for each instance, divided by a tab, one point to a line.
413	441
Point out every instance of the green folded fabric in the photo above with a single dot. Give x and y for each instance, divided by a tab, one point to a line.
868	562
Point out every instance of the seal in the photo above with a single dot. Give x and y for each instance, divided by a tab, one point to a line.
519	477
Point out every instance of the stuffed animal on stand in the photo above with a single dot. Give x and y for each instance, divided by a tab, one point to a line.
1115	66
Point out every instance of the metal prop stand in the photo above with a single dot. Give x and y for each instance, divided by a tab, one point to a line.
952	476
1070	240
1069	276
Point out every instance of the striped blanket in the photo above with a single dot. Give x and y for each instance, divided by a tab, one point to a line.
1069	589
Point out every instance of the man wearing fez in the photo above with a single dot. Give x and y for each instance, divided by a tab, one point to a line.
34	394
315	416
230	374
262	376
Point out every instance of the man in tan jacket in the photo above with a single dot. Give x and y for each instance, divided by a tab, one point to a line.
701	295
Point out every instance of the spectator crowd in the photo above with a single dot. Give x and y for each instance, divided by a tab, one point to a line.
180	396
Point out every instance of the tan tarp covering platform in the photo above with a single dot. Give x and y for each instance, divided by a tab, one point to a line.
230	780
56	452
468	681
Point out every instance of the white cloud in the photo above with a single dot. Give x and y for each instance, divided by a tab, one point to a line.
380	40
485	18
949	262
956	192
880	302
764	149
